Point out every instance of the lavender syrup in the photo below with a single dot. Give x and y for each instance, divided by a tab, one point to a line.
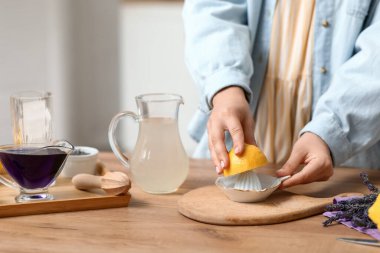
32	170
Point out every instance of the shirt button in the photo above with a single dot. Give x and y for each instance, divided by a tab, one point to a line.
323	70
325	23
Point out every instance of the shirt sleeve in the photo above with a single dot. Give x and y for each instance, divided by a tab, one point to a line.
347	115
218	46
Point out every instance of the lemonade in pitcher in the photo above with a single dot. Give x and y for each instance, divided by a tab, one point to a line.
159	163
158	160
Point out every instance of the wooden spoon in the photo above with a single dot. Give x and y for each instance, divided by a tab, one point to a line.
113	183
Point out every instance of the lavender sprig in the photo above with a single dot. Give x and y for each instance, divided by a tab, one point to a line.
355	209
369	185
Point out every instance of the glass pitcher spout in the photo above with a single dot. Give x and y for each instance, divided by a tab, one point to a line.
62	145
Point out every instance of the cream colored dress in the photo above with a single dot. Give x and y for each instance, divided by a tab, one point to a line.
285	101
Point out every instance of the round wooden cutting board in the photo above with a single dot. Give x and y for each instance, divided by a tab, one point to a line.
209	205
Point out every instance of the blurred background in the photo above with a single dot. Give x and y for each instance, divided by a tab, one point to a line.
94	56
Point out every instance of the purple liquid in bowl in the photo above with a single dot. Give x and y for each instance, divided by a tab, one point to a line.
32	170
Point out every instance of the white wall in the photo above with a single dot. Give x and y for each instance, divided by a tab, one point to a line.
69	47
95	56
153	59
23	54
95	70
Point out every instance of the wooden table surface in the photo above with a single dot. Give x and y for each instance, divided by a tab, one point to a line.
152	223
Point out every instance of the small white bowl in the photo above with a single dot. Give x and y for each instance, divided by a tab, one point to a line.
81	160
267	185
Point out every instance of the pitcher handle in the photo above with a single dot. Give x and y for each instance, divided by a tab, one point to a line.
112	138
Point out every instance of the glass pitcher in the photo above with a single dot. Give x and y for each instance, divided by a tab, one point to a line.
159	163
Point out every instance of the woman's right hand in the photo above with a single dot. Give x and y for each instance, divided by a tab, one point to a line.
230	113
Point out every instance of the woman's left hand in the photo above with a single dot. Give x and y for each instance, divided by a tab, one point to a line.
312	151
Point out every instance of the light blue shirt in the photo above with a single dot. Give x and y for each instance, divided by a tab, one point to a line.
227	43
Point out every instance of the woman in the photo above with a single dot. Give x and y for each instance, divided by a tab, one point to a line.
299	78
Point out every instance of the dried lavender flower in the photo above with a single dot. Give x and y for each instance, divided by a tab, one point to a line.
370	186
355	209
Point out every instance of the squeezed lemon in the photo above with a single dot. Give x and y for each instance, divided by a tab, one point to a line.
251	158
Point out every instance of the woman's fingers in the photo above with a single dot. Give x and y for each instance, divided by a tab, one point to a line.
216	130
292	164
214	157
314	171
230	113
236	131
248	129
303	177
312	151
217	147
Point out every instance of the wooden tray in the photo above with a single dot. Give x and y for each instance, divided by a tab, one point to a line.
67	199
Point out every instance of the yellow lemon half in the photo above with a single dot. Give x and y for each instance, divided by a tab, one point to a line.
251	158
374	212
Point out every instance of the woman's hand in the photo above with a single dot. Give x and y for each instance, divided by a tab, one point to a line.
312	151
230	113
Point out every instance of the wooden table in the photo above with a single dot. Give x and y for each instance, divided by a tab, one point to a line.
152	223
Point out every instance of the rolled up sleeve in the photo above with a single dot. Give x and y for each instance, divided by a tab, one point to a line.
218	46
